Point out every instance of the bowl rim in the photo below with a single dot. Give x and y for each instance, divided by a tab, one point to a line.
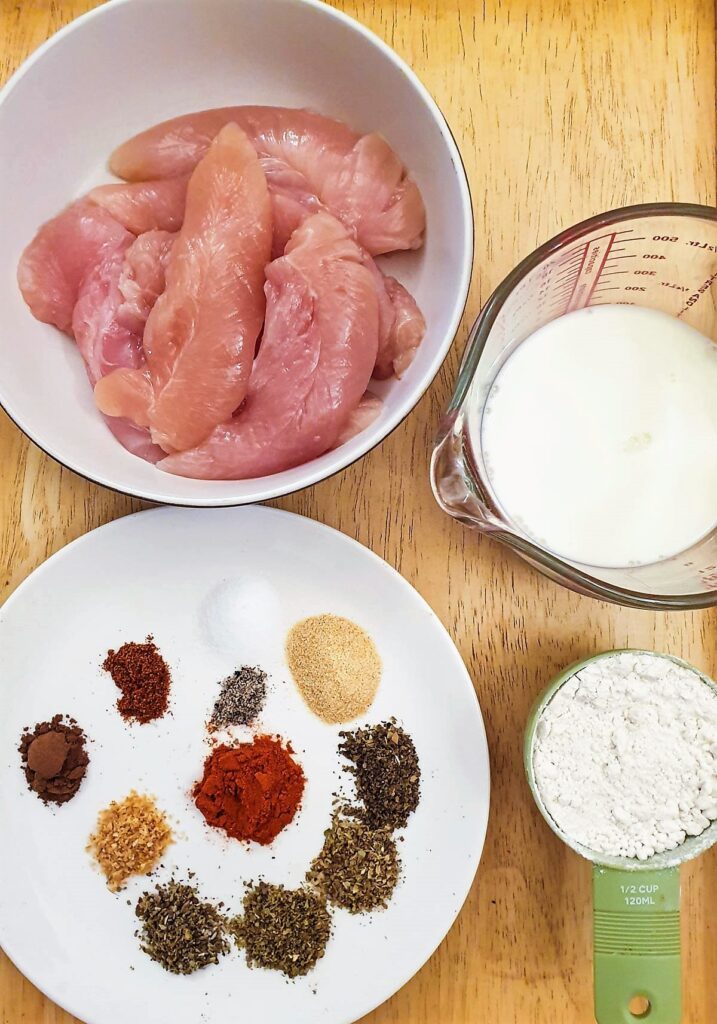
256	491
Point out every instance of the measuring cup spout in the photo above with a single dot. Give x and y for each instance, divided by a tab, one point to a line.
452	481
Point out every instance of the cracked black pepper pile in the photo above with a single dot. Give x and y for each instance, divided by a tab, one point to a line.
241	698
282	929
179	930
385	767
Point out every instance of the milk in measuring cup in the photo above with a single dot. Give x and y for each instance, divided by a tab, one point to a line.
600	436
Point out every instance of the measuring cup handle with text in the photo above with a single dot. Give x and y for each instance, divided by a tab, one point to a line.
636	919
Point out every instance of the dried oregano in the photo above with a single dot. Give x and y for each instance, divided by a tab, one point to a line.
282	929
358	867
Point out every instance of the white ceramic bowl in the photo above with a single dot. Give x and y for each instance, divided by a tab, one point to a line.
131	63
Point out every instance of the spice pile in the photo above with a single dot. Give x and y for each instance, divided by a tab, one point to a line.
130	839
357	868
252	791
142	675
54	759
385	767
282	929
241	699
335	665
179	930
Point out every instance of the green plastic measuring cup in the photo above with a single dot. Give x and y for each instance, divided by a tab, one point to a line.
636	904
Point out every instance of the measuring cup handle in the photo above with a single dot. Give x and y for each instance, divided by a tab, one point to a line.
636	943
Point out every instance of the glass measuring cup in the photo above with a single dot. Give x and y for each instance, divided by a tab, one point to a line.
636	904
659	255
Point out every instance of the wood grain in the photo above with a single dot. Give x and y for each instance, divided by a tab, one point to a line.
561	109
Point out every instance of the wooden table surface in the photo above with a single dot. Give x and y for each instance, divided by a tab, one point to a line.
561	108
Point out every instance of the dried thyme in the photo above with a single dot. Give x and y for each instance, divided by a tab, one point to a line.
241	698
385	767
358	867
179	930
282	929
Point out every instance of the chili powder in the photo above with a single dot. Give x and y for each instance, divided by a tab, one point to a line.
141	673
251	791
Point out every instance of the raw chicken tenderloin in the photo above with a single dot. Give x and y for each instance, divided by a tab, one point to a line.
144	205
104	338
366	412
128	393
143	275
401	325
407	330
372	193
135	439
305	140
317	353
360	179
65	249
114	302
292	201
200	338
125	390
109	317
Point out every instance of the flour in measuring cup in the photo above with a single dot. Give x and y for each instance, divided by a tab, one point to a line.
625	755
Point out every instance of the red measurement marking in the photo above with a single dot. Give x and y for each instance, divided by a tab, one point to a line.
591	266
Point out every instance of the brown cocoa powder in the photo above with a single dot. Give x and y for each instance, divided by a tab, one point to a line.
54	759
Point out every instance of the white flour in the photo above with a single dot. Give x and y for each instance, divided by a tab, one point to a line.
625	755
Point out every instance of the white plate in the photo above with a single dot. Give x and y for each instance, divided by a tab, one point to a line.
218	589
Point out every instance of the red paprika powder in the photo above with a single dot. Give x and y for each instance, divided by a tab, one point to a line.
252	791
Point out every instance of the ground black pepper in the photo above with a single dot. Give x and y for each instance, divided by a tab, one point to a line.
241	698
141	673
385	767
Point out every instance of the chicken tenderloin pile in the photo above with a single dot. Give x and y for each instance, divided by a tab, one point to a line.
225	297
